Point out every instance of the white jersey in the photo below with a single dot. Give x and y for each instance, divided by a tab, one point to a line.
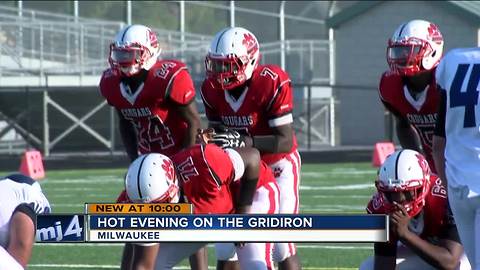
458	74
16	190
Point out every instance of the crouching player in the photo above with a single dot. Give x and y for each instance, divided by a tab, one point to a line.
204	173
423	234
21	199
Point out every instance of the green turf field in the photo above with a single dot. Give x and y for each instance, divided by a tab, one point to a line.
330	188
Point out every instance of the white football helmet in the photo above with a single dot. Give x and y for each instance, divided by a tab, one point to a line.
232	57
404	171
135	47
414	47
151	178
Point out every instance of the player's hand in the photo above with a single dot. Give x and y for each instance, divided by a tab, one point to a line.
204	135
399	220
229	138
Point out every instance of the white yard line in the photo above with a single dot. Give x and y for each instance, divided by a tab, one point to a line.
339	195
337	173
106	266
301	246
96	266
340	187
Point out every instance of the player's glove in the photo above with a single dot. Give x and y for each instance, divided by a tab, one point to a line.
226	138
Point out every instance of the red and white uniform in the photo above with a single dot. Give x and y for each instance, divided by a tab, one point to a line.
420	113
267	102
159	129
206	175
434	220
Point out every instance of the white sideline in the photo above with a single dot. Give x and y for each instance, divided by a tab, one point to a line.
119	245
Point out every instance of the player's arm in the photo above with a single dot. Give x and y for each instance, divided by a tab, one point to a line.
128	135
189	113
438	146
280	121
144	256
385	256
407	135
446	255
22	234
280	141
251	160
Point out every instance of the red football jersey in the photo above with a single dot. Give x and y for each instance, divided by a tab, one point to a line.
123	197
159	129
205	173
421	113
267	102
435	218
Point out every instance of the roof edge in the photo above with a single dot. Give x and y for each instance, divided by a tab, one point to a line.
458	8
350	12
462	10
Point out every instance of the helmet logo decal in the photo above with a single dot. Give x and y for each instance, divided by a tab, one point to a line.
250	43
434	34
423	164
152	38
167	166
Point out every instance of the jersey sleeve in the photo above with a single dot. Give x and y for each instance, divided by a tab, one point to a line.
104	85
280	107
181	89
441	115
210	112
28	209
383	89
219	164
375	205
440	76
450	232
123	197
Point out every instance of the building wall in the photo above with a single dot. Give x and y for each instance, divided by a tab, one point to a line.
360	61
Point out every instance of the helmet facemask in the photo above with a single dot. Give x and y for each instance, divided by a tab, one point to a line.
134	48
406	57
415	47
233	56
171	195
411	196
404	178
226	73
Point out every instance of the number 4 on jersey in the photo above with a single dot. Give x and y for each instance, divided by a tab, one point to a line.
469	98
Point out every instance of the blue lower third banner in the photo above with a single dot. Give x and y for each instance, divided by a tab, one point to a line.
60	228
237	228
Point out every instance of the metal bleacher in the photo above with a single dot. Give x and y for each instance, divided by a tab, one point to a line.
50	65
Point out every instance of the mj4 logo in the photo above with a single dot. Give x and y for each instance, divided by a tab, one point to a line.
59	230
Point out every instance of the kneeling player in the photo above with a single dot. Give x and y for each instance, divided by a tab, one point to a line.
205	174
21	198
423	234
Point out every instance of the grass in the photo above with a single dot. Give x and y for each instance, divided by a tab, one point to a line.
325	188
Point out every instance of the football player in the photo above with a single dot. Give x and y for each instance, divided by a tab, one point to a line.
257	102
408	89
457	143
155	99
21	199
204	173
423	234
